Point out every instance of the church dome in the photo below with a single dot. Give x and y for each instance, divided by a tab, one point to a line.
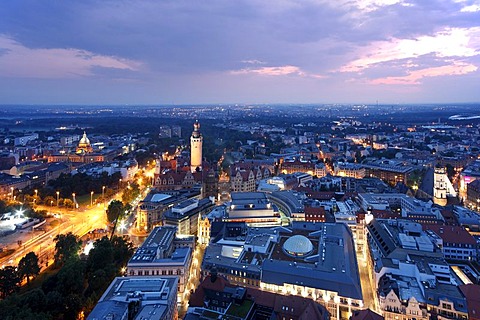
84	145
298	246
84	141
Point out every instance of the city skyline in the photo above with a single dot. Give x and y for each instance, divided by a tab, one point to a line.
151	52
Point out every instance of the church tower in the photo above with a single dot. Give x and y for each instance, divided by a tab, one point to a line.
196	142
157	173
440	186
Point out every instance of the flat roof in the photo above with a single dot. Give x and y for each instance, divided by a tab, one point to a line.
158	197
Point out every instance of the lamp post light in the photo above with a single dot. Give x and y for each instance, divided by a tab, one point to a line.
103	197
74	202
91	198
51	203
58	195
119	183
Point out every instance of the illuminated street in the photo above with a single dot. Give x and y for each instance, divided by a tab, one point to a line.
366	279
41	242
193	280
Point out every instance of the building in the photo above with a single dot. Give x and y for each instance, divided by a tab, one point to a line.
176	131
389	171
196	143
320	170
165	132
442	187
138	298
472	293
467	218
410	208
203	234
473	195
228	301
352	170
210	184
455	242
166	255
150	210
298	166
312	260
185	215
21	141
245	177
84	145
253	208
411	277
366	314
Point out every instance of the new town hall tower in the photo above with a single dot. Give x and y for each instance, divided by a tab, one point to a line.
196	142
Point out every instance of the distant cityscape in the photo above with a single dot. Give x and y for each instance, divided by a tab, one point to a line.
241	211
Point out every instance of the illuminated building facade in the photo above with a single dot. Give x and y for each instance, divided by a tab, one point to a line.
311	260
164	254
196	143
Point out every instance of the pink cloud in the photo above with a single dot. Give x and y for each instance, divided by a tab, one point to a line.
20	61
277	71
452	42
414	77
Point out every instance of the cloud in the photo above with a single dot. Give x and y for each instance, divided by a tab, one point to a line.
453	42
414	77
276	71
253	61
16	60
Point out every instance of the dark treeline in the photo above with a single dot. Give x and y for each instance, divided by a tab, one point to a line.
75	285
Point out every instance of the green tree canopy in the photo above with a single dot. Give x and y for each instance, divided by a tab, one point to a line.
115	210
9	281
66	247
28	266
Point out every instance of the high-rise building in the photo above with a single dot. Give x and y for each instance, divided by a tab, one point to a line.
196	142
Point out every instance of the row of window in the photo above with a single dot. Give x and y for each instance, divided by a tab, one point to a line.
156	272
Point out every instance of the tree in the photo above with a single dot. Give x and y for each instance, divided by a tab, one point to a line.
130	193
67	203
66	247
9	281
28	266
50	201
115	210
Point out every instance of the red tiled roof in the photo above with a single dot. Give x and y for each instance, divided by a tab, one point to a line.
451	234
472	293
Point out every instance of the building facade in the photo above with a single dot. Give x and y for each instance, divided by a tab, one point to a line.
196	144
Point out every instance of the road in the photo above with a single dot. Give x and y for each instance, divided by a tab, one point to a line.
41	242
366	279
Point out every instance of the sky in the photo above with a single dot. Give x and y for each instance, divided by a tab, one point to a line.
239	51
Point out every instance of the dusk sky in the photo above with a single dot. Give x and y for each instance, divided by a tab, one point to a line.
239	51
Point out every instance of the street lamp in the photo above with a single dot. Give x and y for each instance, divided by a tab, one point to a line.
91	198
51	203
36	193
58	194
119	183
74	202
